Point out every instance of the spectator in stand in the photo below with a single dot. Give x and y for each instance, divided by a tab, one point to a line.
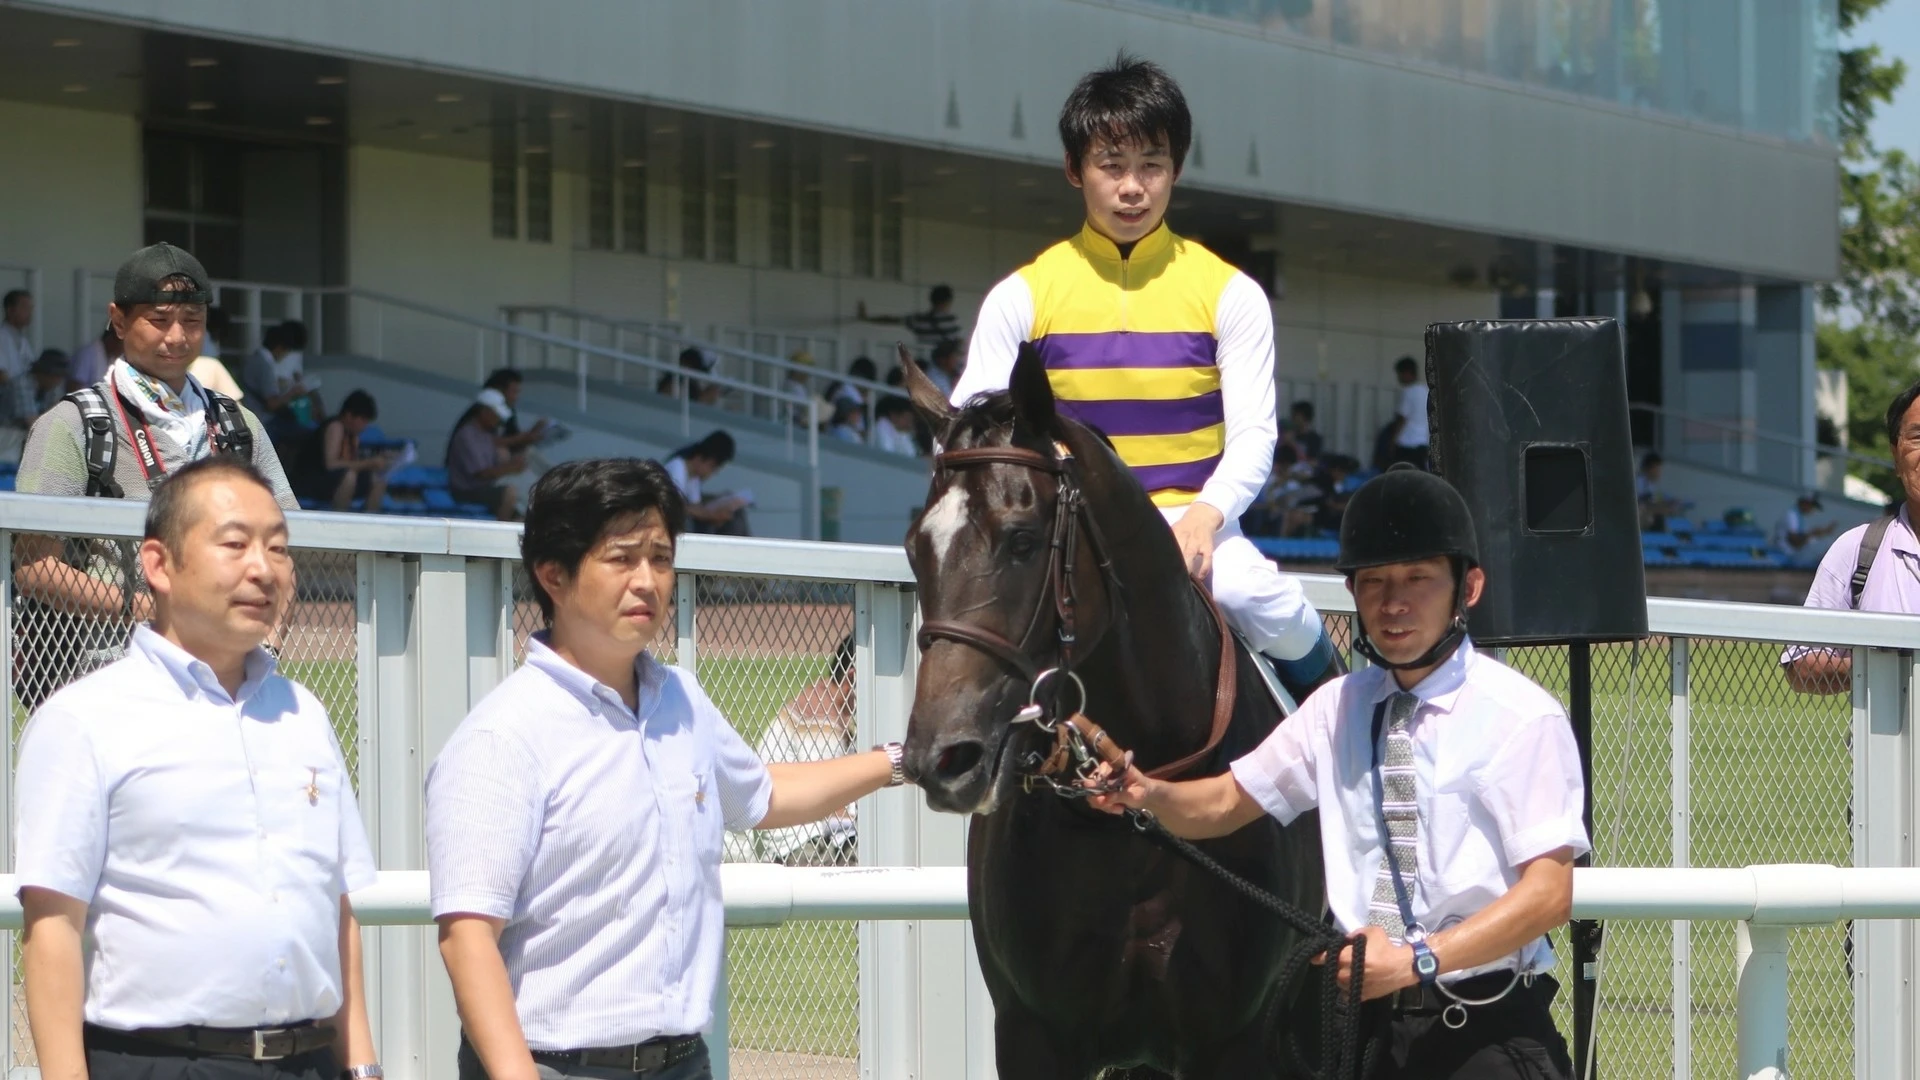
862	367
800	384
510	438
1408	427
1795	538
16	348
894	427
90	363
475	466
848	418
945	369
702	392
930	327
1299	434
275	378
210	369
694	464
1655	506
22	401
1321	511
1887	549
331	468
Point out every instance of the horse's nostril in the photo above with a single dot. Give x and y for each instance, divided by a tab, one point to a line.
957	760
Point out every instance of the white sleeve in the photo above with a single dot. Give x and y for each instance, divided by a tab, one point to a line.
485	810
60	807
1533	791
1006	320
746	788
1280	773
1243	330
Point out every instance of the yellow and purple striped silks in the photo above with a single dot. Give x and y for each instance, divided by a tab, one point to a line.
1129	346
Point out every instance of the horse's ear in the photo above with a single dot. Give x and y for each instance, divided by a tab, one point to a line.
1031	391
928	401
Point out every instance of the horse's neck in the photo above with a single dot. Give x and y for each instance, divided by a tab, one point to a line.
1165	652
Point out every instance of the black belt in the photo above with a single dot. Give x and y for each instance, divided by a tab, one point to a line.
1427	999
259	1044
640	1058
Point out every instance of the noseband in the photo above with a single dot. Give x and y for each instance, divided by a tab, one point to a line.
1070	508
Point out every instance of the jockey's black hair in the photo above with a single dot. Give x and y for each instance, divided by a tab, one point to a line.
1130	101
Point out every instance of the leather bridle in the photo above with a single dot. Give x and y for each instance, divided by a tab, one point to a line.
1071	514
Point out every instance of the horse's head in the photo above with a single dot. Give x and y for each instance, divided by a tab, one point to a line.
998	557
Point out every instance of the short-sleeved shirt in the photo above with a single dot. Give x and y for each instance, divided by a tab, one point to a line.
1893	582
211	835
595	832
55	459
1413	410
1497	778
471	453
688	483
930	327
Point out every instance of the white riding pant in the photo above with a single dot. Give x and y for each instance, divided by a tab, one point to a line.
1268	607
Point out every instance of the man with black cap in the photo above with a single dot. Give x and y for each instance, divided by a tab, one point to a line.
1462	767
120	438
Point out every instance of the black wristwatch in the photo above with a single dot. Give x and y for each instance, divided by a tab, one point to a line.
1425	964
897	756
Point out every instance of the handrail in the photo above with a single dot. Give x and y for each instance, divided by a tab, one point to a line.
1757	434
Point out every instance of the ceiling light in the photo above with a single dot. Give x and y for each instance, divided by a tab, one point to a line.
559	114
1025	181
203	61
945	170
330	80
429	136
1319	226
74	88
66	43
1382	234
1181	204
1052	219
319	121
536	149
855	159
446	99
896	198
667	129
1251	215
634	163
761	144
976	209
1443	244
199	106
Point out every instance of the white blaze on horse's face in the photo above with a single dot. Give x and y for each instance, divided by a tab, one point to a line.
945	518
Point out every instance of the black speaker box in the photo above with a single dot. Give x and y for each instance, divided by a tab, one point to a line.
1529	422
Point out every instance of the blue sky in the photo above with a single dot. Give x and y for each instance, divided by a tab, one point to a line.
1896	29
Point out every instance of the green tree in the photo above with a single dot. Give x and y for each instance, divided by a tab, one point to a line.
1871	313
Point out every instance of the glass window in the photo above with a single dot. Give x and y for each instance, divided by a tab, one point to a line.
780	206
693	191
600	172
893	220
809	211
539	154
726	198
633	181
860	218
506	169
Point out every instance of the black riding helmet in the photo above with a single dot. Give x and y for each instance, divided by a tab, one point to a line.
1405	515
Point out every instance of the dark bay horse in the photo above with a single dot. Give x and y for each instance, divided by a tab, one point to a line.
1101	948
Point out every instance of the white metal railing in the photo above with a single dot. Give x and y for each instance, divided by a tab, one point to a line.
425	622
1766	901
659	339
1736	447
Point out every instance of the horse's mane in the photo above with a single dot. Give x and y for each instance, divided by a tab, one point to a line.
984	414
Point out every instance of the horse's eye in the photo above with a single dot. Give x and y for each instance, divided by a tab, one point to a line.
1021	543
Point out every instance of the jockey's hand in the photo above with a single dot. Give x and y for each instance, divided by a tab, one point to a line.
1389	966
1133	791
1194	533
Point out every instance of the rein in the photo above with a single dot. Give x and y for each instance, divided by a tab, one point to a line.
1071	513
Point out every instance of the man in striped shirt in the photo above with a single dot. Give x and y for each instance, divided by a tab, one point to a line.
1163	347
929	328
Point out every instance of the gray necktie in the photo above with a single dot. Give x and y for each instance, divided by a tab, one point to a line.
1398	807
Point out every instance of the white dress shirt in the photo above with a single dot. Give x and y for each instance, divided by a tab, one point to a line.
1495	767
211	836
688	483
596	833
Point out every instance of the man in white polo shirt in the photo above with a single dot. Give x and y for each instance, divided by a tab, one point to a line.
187	828
575	819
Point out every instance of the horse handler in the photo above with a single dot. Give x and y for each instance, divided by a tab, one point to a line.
1163	347
575	819
1467	767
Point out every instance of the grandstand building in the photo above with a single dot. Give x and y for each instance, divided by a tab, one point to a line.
411	173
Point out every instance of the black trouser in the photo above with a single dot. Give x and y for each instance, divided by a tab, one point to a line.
113	1056
1511	1039
698	1067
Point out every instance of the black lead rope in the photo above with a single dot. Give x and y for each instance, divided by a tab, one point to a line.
1343	1051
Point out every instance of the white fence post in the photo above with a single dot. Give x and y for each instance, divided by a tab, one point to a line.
884	659
1680	785
1761	959
1883	805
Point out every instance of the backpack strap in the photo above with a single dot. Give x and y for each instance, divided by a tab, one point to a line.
96	426
231	435
1863	563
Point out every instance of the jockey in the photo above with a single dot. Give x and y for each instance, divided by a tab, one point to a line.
1161	346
